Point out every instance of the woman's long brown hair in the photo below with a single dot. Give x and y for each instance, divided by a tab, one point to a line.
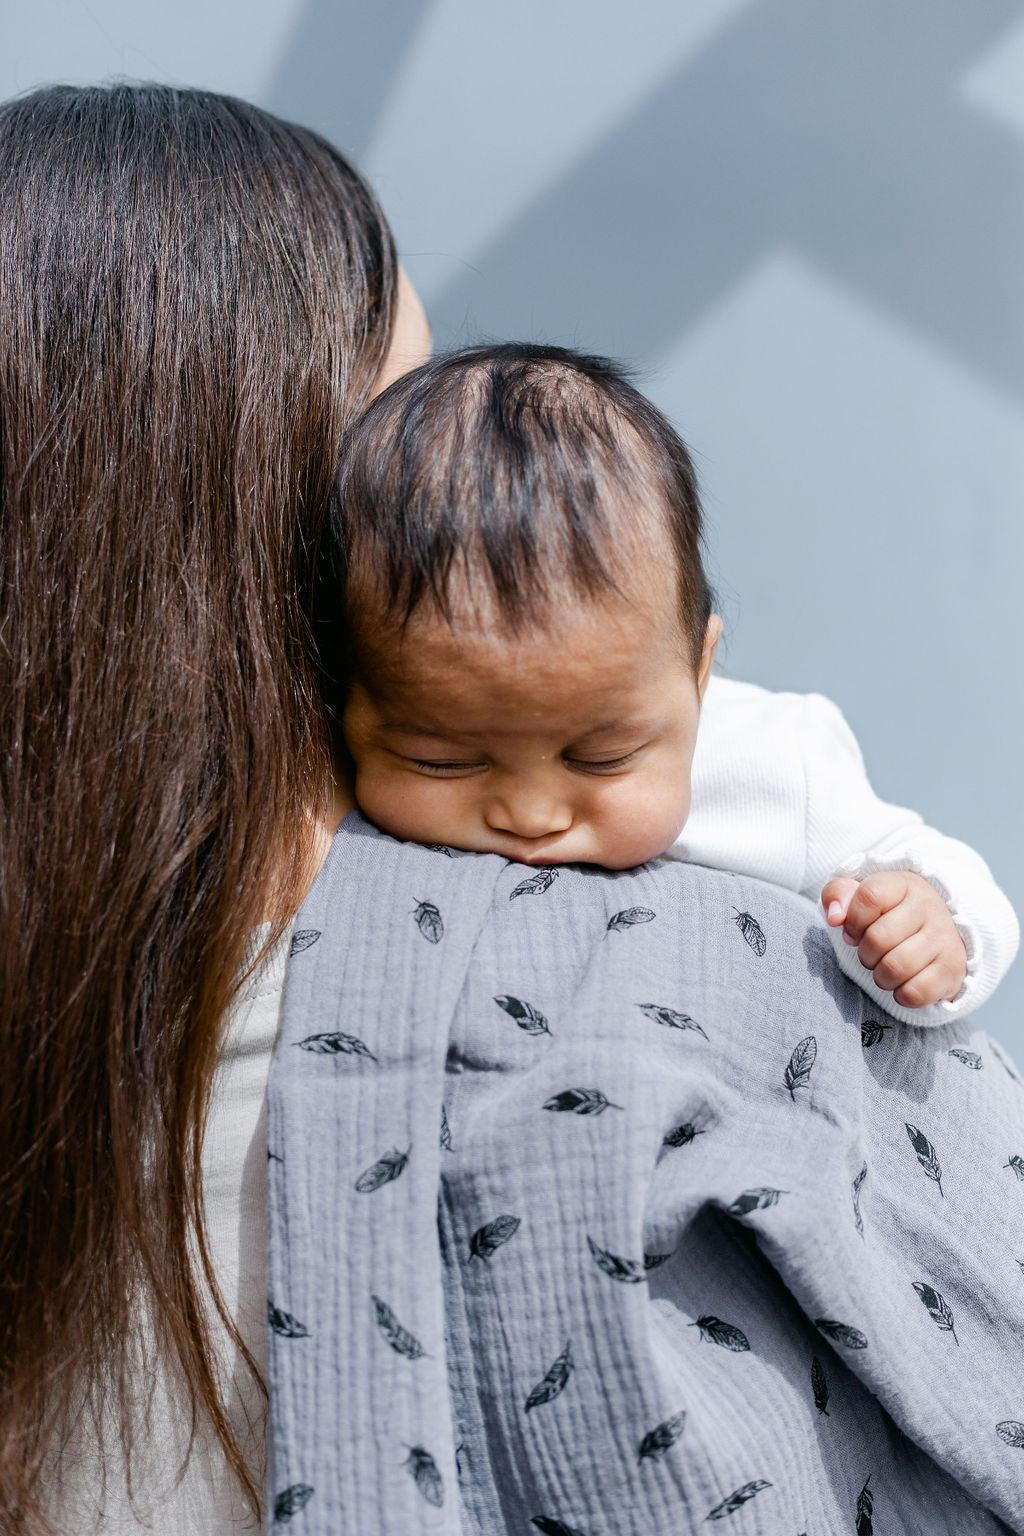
194	300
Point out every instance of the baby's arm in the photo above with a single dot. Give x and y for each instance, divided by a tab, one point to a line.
780	791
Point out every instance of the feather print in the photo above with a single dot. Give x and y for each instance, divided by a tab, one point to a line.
488	1239
526	1016
755	1200
549	1527
969	1058
1005	1062
669	1017
553	1382
857	1185
303	939
925	1154
819	1386
291	1501
717	1332
626	1270
441	848
274	1157
581	1101
752	931
428	921
656	1260
798	1072
424	1473
284	1324
682	1135
730	1505
334	1043
852	1338
1016	1162
446	1134
657	1441
536	885
1011	1432
938	1308
629	918
871	1031
865	1509
382	1172
401	1340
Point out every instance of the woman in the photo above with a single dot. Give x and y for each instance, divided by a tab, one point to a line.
195	299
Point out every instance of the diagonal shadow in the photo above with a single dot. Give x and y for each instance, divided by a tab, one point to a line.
831	129
340	64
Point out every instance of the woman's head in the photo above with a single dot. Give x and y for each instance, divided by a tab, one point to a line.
195	299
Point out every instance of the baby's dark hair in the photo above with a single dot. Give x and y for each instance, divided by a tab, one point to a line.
530	469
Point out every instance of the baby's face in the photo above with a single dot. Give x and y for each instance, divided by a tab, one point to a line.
568	744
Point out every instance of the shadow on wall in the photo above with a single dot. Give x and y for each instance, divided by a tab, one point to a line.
341	65
793	127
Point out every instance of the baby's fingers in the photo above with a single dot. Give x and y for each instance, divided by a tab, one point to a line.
901	966
936	983
873	898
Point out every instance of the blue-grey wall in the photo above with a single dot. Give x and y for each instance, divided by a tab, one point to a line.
804	221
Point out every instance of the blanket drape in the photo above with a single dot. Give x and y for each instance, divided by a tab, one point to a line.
601	1204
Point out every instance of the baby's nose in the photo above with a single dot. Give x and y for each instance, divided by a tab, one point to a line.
528	812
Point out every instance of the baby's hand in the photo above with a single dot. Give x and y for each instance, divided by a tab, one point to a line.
903	932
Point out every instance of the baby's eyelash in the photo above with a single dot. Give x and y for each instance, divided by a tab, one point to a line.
443	770
608	765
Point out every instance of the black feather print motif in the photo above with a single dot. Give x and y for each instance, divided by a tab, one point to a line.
446	1134
798	1071
440	848
274	1157
554	1381
755	1200
938	1308
284	1324
429	922
842	1333
968	1058
871	1031
925	1154
1011	1432
819	1386
383	1171
656	1260
334	1043
303	939
681	1135
549	1527
661	1439
526	1016
865	1509
858	1184
752	932
669	1017
488	1239
735	1500
1016	1162
716	1332
580	1101
290	1501
628	1271
401	1340
535	885
629	918
423	1470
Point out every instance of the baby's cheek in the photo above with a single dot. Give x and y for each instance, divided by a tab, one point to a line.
643	820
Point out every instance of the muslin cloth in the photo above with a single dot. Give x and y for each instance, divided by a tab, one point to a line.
601	1204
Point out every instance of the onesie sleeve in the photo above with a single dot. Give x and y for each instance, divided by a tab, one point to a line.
850	831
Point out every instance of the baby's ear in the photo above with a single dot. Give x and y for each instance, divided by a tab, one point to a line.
712	635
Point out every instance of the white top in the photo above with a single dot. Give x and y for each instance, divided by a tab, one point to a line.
779	792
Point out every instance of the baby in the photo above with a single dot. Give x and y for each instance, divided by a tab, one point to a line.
528	638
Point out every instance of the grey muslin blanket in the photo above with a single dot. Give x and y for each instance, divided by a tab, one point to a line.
603	1205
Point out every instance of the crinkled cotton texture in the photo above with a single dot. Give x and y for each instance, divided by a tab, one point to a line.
602	1204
